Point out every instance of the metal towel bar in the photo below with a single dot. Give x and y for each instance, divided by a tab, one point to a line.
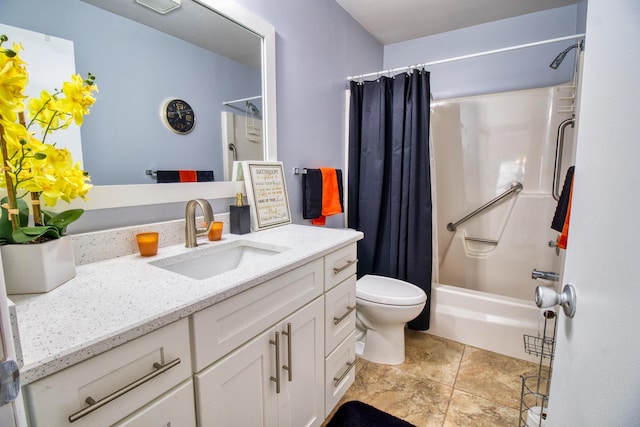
515	187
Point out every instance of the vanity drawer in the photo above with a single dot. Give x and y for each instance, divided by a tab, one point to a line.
340	372
339	265
175	408
232	322
340	313
52	400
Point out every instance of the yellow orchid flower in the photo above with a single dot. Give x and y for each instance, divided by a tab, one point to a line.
78	98
13	80
32	165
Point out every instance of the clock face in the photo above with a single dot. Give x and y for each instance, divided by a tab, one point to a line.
179	116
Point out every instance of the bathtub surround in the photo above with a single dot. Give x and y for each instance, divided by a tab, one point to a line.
481	145
389	179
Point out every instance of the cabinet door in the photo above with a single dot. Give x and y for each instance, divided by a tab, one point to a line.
301	398
238	390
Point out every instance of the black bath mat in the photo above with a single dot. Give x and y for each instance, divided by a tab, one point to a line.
358	414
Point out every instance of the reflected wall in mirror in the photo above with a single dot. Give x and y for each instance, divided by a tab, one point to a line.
141	59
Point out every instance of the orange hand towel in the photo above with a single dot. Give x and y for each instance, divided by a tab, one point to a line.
188	176
330	196
564	236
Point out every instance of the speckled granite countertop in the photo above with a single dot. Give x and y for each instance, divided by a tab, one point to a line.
114	301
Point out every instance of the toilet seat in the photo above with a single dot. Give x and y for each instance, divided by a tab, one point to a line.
389	291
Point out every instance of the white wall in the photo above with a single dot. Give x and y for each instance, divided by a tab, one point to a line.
596	375
521	69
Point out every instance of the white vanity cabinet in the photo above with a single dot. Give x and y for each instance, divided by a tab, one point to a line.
279	353
340	324
274	380
280	376
242	380
99	392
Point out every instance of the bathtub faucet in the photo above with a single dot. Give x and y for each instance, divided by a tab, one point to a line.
547	275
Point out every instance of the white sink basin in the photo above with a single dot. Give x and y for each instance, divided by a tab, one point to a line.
206	263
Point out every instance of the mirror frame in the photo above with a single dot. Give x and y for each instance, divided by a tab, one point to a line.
120	196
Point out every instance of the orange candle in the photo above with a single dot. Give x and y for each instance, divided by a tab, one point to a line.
147	243
215	232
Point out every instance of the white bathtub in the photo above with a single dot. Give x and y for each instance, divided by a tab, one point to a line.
488	321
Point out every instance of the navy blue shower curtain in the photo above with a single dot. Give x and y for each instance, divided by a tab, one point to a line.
389	180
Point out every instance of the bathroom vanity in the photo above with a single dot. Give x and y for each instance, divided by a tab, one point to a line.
131	341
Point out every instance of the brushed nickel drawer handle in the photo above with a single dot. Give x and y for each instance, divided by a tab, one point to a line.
276	379
344	267
338	380
93	404
288	367
337	320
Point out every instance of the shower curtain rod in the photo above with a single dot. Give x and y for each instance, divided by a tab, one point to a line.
472	55
235	101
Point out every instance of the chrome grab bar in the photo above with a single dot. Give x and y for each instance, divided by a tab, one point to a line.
559	148
515	187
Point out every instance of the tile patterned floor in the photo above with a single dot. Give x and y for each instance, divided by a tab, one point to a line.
445	384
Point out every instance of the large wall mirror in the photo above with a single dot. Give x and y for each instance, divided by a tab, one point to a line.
214	54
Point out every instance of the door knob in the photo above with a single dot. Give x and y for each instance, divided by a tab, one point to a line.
546	297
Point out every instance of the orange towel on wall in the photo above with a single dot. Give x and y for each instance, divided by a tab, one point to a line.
331	204
188	176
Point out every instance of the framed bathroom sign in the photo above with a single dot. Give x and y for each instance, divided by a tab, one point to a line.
266	193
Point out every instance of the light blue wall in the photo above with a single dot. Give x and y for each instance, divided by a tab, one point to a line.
526	68
137	68
318	46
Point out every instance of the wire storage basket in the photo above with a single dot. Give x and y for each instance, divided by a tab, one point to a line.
535	388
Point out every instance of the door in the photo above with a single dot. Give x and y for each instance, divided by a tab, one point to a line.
11	413
301	400
238	390
596	375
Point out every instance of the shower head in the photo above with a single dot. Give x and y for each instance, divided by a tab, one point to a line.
556	62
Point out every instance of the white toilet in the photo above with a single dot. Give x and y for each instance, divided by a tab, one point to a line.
383	306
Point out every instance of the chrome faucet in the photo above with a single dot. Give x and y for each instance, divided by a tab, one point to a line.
191	232
546	275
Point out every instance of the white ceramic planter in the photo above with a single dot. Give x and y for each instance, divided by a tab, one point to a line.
37	268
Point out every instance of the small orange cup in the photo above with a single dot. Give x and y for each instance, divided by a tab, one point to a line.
215	231
147	243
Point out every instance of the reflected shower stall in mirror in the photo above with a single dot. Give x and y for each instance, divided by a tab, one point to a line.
141	59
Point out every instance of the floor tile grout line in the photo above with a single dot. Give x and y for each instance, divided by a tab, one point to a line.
453	387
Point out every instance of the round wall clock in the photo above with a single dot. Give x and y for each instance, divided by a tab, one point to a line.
178	116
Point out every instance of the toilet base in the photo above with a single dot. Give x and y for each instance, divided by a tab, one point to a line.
385	347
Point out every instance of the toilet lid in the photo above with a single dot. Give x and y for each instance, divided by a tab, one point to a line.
385	290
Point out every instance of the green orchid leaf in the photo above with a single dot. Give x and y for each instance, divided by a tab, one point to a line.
61	220
29	234
6	229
